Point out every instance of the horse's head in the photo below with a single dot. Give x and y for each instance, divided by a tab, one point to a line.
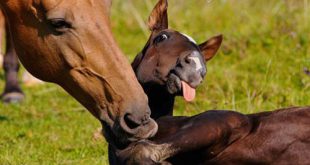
69	42
171	58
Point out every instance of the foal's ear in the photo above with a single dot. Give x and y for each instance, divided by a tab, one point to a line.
158	19
210	47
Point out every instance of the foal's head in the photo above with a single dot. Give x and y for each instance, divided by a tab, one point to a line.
173	59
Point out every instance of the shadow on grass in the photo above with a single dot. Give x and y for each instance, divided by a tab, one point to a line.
307	71
3	118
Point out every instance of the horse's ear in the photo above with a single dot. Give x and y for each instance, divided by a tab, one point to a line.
210	47
158	19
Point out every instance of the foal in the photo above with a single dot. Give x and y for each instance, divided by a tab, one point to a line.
223	137
171	63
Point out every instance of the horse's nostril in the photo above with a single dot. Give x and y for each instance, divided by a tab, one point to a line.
187	60
130	121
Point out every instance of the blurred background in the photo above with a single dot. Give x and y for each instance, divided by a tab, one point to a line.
261	66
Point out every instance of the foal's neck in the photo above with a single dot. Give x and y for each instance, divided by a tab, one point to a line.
160	100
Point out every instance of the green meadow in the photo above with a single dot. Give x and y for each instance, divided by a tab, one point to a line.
260	67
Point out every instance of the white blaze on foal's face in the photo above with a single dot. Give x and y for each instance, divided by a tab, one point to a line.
195	53
197	62
189	38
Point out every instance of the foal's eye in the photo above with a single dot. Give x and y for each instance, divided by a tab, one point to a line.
160	38
60	25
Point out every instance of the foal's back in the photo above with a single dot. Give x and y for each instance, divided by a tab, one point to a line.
230	138
279	137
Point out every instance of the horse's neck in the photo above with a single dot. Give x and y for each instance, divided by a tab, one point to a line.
160	101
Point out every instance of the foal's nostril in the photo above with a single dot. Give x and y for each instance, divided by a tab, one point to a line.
187	60
179	65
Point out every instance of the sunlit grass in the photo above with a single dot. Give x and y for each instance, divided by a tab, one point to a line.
259	67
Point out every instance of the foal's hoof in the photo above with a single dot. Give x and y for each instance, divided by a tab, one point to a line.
13	97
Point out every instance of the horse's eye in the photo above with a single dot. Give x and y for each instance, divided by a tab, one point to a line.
59	24
160	38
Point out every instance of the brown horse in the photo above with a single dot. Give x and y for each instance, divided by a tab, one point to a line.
171	63
13	92
220	137
70	43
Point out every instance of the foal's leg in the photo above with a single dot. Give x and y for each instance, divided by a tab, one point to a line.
176	135
211	131
12	91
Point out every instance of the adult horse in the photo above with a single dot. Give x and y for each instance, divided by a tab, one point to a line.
70	43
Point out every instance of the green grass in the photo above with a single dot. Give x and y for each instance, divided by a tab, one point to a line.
259	68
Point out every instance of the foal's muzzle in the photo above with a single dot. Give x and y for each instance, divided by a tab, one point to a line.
190	68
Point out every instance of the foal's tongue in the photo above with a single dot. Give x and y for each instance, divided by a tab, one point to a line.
189	93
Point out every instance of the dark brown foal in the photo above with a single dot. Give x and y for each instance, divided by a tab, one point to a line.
171	63
223	137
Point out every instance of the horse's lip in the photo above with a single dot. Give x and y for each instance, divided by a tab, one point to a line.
146	134
143	131
122	138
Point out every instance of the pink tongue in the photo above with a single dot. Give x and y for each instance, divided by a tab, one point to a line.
189	93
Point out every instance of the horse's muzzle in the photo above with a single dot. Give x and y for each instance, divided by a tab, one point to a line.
136	126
